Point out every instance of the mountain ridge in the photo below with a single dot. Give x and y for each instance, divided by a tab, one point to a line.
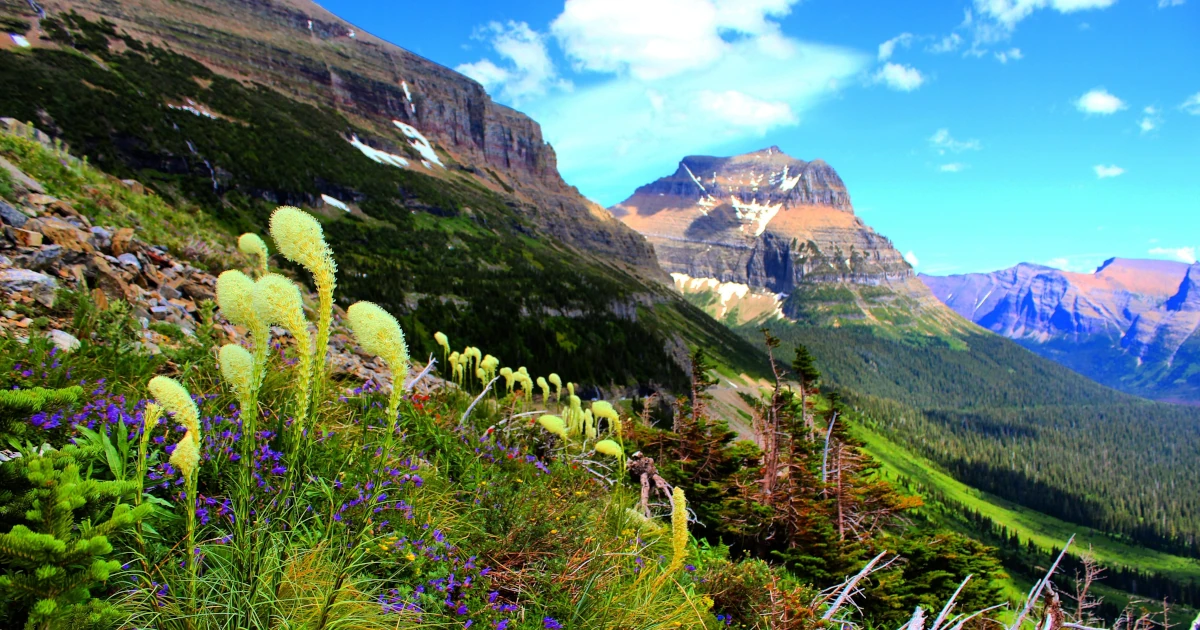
316	57
1133	324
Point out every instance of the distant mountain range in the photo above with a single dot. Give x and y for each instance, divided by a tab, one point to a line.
1132	324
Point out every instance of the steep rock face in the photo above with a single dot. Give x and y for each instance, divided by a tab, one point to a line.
1159	335
302	50
763	219
1132	324
1039	303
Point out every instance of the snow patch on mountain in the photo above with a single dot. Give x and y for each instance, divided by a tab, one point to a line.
419	142
383	157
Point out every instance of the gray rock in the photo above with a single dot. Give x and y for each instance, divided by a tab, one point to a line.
169	292
38	285
129	260
101	238
46	257
24	181
160	312
11	215
64	340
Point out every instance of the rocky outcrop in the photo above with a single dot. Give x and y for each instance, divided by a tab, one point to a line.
110	264
306	52
763	219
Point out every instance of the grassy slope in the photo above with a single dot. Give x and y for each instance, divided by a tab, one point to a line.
1045	531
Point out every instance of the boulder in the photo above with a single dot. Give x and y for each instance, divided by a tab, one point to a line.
39	286
62	233
122	241
129	260
11	215
21	179
44	258
64	340
108	279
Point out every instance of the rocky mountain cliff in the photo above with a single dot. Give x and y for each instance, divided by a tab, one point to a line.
764	219
396	99
1132	324
781	227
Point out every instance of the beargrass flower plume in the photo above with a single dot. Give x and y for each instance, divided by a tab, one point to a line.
589	425
557	383
253	246
481	374
235	298
541	382
489	365
570	389
277	301
175	398
679	529
443	341
554	425
379	333
237	368
474	354
610	448
508	375
576	414
301	240
454	366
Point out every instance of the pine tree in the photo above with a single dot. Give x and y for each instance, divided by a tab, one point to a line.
16	405
805	367
50	565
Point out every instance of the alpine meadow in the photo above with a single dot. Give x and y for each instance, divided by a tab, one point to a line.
307	324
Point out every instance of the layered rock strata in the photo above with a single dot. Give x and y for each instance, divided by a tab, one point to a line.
763	219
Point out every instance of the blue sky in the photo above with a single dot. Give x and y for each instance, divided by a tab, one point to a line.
976	134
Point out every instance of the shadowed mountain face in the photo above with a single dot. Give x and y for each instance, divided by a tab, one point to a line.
307	53
1133	324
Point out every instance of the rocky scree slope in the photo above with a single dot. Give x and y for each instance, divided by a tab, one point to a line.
772	223
1132	324
397	100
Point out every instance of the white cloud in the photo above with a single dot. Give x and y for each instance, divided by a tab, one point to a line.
653	39
1099	101
529	72
741	110
1009	12
1182	254
1011	53
1150	120
1192	104
953	167
1103	172
1162	4
943	142
949	43
887	48
912	259
668	78
997	19
899	77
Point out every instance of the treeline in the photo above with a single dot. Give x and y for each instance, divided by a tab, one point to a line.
1019	557
1023	428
